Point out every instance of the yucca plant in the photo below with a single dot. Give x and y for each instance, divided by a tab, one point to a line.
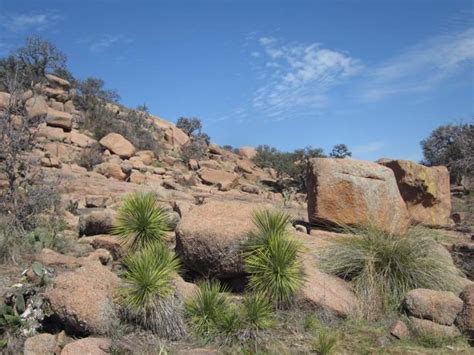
207	306
148	293
141	222
257	311
383	267
272	258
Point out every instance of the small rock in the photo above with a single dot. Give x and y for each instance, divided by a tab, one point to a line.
400	330
88	346
438	306
117	144
41	344
97	222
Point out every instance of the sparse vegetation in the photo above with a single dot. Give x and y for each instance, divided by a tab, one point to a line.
272	258
90	157
196	150
451	145
290	166
141	222
383	267
148	293
190	126
325	343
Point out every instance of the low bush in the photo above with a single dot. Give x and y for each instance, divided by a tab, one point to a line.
141	222
90	157
383	267
272	258
196	149
148	293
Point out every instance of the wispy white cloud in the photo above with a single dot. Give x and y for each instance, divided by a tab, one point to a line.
367	148
30	21
421	67
297	77
105	41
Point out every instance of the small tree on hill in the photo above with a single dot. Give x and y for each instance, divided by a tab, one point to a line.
449	145
340	151
190	126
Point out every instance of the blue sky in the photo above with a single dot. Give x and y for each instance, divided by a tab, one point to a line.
375	75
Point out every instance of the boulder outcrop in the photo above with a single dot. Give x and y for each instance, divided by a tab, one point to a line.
222	179
81	299
465	319
351	192
438	306
117	144
425	190
209	237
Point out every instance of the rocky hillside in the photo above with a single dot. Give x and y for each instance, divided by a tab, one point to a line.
64	299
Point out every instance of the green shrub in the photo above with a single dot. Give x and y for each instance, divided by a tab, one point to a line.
141	222
148	292
208	308
325	343
257	311
383	267
272	258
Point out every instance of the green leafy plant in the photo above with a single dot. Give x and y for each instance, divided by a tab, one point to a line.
207	307
325	343
148	291
141	222
257	311
383	267
9	319
272	258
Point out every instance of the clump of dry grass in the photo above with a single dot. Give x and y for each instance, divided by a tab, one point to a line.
383	267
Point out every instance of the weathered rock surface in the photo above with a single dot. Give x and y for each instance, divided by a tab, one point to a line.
427	327
111	170
41	344
117	144
399	330
465	319
425	190
209	237
248	152
222	179
36	106
57	81
96	222
4	100
108	242
351	192
81	300
59	119
438	306
327	293
88	346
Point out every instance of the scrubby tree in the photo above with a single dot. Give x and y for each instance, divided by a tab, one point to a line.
290	166
449	145
30	64
190	126
143	107
340	151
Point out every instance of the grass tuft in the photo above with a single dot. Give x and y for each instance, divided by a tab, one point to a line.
383	267
141	222
257	311
325	343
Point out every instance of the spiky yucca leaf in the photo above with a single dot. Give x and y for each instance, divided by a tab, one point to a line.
141	222
258	311
207	306
149	274
267	223
148	290
384	267
276	269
